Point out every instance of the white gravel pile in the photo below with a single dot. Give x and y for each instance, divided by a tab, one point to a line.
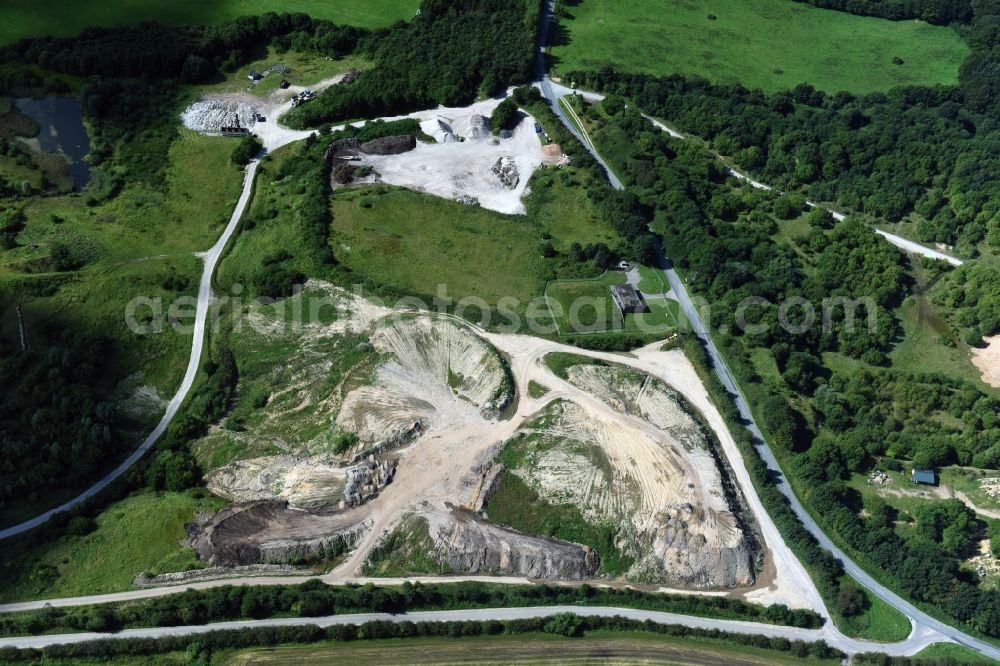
462	170
212	114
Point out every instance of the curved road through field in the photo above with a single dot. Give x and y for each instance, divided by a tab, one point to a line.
194	362
921	620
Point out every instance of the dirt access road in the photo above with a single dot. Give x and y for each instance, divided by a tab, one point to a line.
274	136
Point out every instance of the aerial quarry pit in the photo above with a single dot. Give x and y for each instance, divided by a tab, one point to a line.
629	440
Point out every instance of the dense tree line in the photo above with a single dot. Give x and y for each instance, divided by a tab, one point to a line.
941	12
51	426
453	50
193	54
973	290
828	424
199	649
885	154
932	151
313	599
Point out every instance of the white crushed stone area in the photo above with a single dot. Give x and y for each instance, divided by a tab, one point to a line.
461	165
468	163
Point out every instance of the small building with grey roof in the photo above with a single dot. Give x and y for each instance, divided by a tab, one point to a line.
628	300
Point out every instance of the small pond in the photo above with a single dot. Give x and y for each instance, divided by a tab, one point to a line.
60	120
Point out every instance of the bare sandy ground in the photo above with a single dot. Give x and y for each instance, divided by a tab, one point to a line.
434	471
452	168
439	468
987	359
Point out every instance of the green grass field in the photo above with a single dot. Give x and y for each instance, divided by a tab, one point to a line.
417	243
139	533
595	647
586	306
769	44
24	18
930	345
396	242
959	654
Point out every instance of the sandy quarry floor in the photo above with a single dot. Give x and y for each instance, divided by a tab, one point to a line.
434	471
440	468
987	359
453	168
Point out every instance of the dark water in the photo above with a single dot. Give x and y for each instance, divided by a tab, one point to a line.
62	130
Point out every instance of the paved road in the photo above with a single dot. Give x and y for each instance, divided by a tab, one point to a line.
211	258
922	621
832	637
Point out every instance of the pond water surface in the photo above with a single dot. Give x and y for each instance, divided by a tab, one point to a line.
61	131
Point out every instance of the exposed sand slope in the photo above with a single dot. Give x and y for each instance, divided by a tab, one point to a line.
310	483
439	376
665	493
446	464
987	359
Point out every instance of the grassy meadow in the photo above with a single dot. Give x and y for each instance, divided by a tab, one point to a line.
413	243
599	646
139	533
128	247
63	18
396	242
768	44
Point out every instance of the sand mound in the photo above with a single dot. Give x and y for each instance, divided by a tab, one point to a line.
654	477
437	375
987	359
309	483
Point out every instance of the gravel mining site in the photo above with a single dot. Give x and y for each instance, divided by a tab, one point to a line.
467	161
429	408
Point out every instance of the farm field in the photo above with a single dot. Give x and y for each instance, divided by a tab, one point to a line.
618	647
750	42
23	18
